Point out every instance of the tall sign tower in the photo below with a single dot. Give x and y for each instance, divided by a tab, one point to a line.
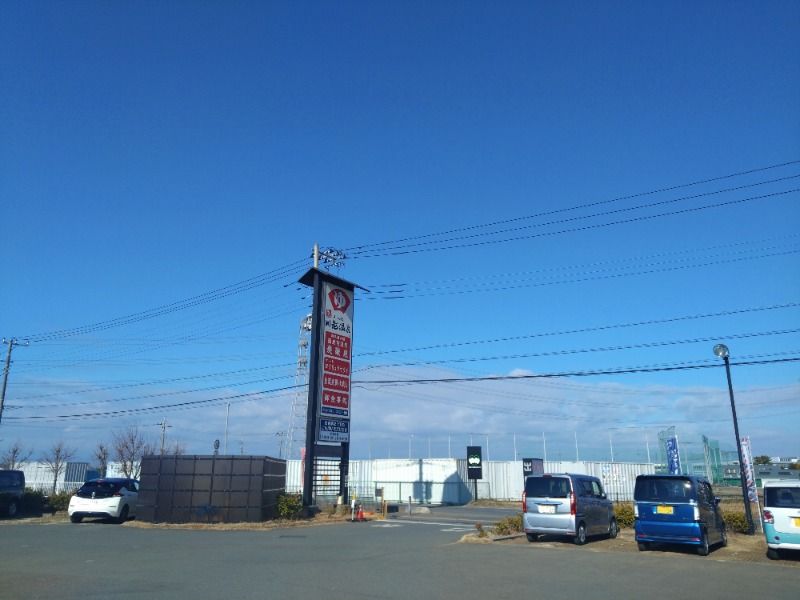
330	360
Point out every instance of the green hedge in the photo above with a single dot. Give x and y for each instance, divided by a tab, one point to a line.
58	502
624	512
32	502
509	525
736	522
289	506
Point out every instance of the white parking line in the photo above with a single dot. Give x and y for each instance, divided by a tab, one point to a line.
455	527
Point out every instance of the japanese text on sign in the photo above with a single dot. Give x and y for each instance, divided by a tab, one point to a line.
337	346
334	424
334	430
336	366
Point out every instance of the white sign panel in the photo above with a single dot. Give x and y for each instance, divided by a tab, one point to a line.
334	430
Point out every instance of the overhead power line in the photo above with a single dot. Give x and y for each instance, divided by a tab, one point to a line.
457	242
404	382
672	188
247	284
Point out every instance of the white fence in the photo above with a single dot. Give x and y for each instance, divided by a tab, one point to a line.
424	480
39	476
444	480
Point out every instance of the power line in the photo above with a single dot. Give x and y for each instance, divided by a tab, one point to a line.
404	382
588	205
247	284
411	249
661	321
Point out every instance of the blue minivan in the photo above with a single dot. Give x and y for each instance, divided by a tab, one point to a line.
677	509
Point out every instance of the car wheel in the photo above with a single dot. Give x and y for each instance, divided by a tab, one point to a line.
123	515
75	518
724	535
702	549
532	537
580	536
643	546
613	529
11	511
773	554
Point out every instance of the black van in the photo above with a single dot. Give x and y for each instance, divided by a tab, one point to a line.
12	487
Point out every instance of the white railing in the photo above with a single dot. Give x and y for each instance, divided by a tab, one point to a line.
46	487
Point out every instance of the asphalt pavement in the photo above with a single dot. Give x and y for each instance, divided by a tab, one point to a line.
418	557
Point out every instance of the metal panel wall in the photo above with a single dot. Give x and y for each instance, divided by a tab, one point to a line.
229	489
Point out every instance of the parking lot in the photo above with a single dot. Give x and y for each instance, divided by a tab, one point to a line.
435	554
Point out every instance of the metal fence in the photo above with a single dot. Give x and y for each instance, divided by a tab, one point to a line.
225	489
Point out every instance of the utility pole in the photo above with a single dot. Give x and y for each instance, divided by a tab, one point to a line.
280	435
11	343
163	432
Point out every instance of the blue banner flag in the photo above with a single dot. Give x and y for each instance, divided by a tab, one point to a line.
673	456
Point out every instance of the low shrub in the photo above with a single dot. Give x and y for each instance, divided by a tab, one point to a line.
481	531
58	502
289	506
509	525
624	512
736	522
32	502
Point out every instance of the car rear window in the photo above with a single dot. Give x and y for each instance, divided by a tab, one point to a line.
663	489
547	487
100	489
782	497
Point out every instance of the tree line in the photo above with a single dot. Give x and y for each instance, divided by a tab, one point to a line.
126	447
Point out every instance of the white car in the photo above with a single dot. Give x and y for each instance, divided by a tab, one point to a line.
113	498
782	517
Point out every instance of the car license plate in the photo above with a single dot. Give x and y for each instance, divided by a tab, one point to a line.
547	508
664	510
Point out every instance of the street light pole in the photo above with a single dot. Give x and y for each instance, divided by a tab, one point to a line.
721	350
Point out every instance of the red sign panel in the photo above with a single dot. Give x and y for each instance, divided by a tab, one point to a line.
337	346
336	366
335	383
338	400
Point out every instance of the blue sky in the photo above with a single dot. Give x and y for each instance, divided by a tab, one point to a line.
525	188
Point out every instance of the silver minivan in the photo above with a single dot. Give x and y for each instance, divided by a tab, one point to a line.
567	504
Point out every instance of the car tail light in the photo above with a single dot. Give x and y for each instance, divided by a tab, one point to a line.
769	517
696	513
524	503
635	510
573	504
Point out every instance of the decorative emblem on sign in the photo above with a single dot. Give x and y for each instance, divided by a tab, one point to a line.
339	300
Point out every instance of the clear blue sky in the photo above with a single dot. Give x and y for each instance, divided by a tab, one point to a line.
525	188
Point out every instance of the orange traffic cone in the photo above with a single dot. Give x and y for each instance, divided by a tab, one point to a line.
360	514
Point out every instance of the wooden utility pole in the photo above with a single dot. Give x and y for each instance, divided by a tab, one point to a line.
11	343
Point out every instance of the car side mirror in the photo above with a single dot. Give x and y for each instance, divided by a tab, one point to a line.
717	500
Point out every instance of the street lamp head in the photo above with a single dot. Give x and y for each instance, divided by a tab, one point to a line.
721	350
